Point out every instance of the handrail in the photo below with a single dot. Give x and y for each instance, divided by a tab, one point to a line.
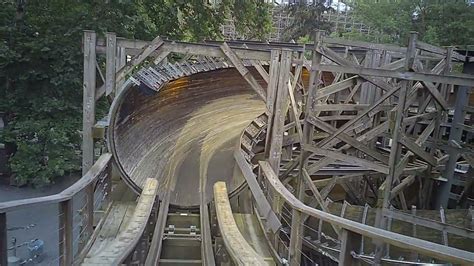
66	194
422	246
239	249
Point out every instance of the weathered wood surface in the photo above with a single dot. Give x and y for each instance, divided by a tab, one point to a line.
425	247
239	249
124	243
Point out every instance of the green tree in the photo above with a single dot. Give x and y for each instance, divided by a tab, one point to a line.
306	18
446	22
41	67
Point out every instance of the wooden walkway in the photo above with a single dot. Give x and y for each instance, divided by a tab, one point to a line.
123	228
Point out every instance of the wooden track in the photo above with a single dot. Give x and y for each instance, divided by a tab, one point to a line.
114	250
239	249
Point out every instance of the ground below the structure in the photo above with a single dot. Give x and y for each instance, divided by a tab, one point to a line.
44	218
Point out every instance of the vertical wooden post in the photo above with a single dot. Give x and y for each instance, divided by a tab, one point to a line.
120	62
89	190
88	108
280	111
271	95
348	240
110	65
3	239
65	232
296	221
462	100
396	134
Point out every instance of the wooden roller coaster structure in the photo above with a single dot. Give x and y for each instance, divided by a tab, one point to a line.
352	140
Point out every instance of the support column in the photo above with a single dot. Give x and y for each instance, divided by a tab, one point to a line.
65	232
110	64
396	148
297	219
88	107
462	100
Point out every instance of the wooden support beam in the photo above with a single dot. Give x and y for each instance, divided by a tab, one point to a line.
400	187
348	245
347	158
3	239
318	197
348	139
88	106
65	232
336	87
237	62
366	73
411	145
261	70
427	248
395	150
138	59
279	113
110	64
436	94
294	111
429	223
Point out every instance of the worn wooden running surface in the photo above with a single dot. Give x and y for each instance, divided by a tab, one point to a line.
123	228
239	249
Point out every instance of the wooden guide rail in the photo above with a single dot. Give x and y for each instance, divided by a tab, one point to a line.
351	228
64	201
240	251
124	244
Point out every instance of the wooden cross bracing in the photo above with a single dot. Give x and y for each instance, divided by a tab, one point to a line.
365	115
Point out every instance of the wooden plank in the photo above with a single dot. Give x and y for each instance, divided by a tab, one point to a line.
395	150
237	63
121	247
271	95
411	145
138	59
88	102
346	158
438	50
261	70
348	240
405	75
367	45
294	111
400	187
318	197
65	232
436	94
443	220
279	112
425	247
238	248
110	63
349	140
336	87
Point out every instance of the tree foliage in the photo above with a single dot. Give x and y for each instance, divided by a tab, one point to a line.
41	66
446	22
307	17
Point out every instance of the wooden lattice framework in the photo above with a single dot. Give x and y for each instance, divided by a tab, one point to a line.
382	113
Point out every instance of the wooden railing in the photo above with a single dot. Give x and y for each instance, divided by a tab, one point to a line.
238	248
352	230
63	229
